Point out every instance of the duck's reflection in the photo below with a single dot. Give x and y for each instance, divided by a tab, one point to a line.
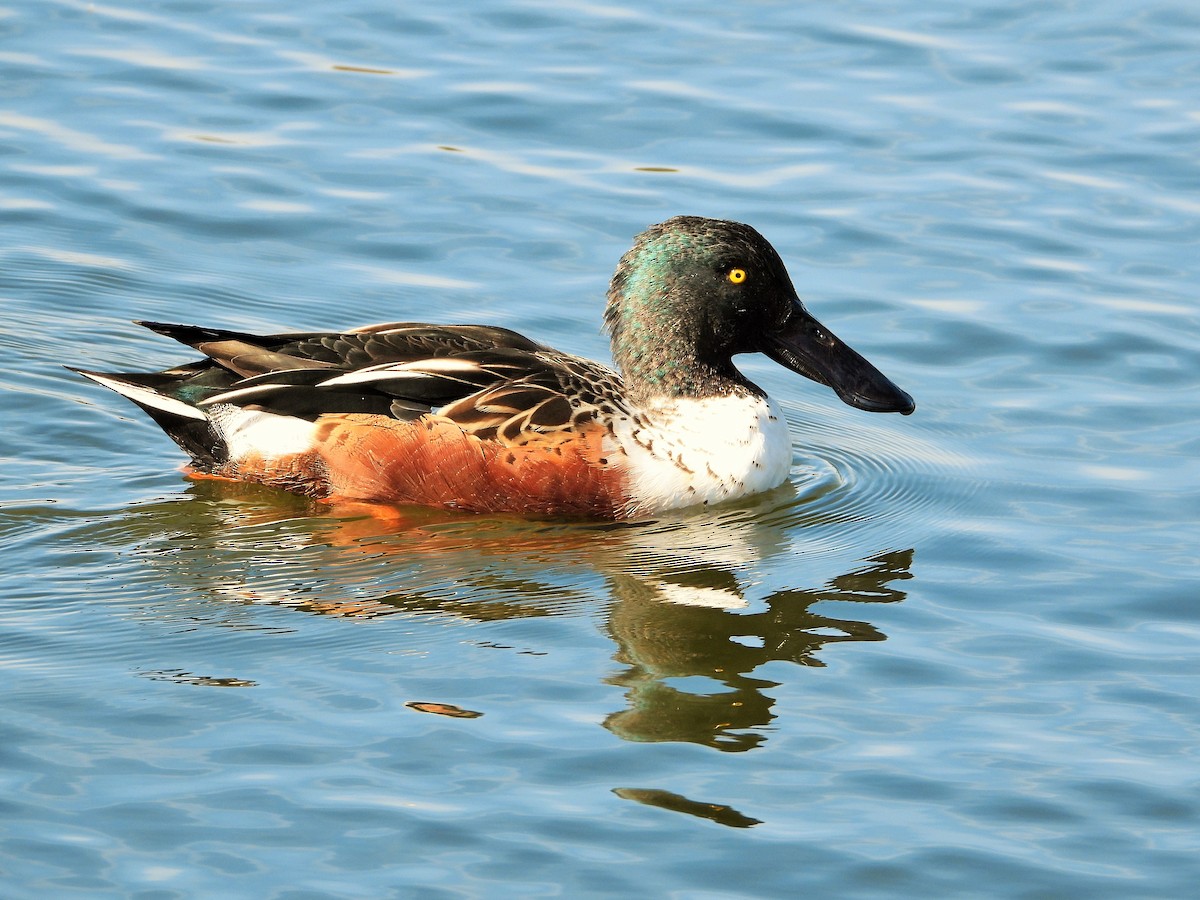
671	629
690	634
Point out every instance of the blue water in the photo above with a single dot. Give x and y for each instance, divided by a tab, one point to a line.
958	654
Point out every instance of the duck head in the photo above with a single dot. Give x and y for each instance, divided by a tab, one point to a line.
693	292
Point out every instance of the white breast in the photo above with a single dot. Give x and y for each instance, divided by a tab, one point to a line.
687	452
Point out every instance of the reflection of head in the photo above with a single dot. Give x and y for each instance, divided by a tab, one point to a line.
661	639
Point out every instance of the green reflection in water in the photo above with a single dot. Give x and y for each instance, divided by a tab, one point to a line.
716	812
662	637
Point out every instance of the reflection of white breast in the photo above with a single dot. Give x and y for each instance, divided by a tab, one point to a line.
682	452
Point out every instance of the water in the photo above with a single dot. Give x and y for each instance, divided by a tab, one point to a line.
957	654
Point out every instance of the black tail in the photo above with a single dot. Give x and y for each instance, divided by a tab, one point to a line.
154	393
195	335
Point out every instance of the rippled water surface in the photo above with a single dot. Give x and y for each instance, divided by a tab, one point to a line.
958	653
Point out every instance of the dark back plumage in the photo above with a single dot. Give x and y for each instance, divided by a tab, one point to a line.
493	382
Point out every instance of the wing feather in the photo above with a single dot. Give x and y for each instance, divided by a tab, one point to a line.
492	382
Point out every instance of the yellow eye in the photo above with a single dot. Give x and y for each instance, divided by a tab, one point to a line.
737	276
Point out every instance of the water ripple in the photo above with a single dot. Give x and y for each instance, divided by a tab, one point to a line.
854	473
956	648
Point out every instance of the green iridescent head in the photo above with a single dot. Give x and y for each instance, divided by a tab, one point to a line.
693	292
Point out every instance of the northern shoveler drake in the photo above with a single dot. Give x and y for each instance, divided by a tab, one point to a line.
480	418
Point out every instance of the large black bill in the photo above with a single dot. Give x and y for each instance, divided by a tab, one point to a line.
806	346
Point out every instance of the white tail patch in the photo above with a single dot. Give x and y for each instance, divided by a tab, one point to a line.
247	431
147	397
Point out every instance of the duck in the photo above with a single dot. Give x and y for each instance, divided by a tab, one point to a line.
482	419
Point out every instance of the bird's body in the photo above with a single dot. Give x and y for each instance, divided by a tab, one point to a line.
480	418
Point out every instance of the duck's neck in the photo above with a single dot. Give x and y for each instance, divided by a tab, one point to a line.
659	350
658	368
